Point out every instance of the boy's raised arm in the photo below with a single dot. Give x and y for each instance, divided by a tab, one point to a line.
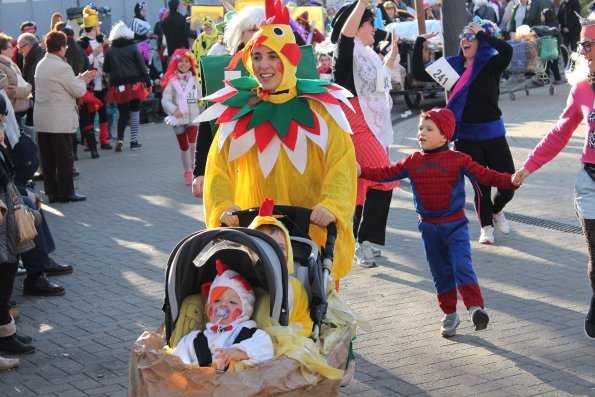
384	174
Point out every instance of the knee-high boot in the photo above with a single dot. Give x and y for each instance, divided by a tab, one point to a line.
92	143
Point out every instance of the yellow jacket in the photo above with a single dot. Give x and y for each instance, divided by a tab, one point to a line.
329	180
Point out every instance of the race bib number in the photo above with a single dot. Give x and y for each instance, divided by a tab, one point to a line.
191	98
232	74
443	73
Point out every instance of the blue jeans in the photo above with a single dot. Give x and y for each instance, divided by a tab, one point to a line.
37	259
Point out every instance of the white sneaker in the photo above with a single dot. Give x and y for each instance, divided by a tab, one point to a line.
501	223
450	322
362	259
487	235
370	250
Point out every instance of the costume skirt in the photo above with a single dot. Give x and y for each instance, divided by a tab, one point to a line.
584	195
368	151
126	93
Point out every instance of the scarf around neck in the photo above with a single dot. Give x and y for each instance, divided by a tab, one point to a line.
458	97
183	84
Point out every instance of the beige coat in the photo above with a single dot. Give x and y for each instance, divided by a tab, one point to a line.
56	92
20	100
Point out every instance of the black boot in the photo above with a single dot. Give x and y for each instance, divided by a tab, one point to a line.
590	320
12	345
92	144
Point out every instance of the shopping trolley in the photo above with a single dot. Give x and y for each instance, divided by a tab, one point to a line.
528	67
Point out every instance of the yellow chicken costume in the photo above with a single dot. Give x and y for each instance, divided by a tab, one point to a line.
292	145
298	297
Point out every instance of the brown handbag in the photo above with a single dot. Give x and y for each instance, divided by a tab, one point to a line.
25	219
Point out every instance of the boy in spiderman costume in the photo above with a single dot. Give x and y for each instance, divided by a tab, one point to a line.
436	174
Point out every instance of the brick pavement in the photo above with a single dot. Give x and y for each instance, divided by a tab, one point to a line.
137	209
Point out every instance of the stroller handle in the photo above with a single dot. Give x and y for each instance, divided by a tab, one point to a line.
292	212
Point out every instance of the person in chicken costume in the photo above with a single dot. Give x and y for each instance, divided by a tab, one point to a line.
299	310
283	138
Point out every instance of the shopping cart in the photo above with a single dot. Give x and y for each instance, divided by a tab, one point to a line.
414	91
528	67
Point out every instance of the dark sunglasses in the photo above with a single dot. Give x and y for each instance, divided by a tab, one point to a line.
467	36
585	45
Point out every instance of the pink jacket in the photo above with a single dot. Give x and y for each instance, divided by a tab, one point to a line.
579	106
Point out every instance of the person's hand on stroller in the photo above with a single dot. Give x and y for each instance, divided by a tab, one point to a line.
226	356
198	186
321	216
230	220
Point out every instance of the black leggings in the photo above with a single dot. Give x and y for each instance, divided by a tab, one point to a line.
124	109
8	272
588	226
373	216
495	155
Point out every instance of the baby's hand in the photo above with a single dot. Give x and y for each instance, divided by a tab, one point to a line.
225	356
178	114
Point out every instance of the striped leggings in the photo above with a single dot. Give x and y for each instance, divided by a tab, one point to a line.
129	112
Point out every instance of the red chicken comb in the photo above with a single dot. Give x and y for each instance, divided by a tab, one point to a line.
277	11
221	267
266	208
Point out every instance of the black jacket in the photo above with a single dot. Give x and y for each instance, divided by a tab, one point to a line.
568	19
176	34
34	56
124	64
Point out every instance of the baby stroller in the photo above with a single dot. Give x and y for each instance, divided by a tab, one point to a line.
258	258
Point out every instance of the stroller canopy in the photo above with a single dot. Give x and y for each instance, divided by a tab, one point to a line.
192	263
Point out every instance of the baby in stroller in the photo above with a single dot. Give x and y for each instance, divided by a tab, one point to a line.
230	334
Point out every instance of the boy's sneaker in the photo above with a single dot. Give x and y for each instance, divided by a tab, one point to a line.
118	147
501	223
370	250
135	145
362	259
487	235
479	317
450	322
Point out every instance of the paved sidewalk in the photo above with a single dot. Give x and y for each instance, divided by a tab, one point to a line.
534	281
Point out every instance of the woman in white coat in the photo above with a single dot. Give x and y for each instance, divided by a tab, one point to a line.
56	117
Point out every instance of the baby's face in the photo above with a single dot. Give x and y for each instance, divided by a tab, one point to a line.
229	299
279	238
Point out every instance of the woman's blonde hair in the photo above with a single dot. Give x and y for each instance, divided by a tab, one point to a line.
579	67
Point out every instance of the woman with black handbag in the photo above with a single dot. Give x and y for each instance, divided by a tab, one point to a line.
10	341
